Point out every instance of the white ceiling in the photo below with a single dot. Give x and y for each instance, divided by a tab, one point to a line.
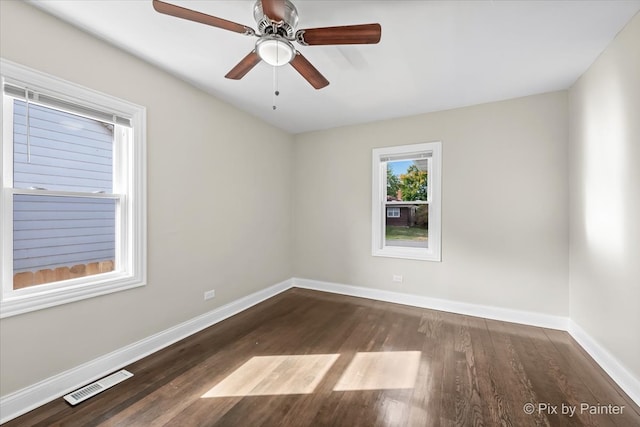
434	55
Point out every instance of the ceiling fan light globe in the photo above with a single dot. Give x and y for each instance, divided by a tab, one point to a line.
275	51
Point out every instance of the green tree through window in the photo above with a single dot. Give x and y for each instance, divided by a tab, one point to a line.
413	184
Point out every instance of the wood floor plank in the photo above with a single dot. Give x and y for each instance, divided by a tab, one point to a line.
514	377
492	391
307	358
468	398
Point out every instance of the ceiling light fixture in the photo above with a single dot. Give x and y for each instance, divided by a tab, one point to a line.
275	50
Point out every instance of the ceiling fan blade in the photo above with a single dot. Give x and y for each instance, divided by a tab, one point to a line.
274	9
244	66
308	71
203	18
348	34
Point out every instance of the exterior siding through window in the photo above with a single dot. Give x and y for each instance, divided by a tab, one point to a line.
70	153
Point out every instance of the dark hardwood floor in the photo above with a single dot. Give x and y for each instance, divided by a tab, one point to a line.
306	358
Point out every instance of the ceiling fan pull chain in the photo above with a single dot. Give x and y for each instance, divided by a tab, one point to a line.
276	92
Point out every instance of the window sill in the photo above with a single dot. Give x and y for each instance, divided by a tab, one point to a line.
419	254
28	299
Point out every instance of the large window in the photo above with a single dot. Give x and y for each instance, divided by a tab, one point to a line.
73	192
406	201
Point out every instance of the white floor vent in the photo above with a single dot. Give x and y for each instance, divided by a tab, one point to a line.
96	387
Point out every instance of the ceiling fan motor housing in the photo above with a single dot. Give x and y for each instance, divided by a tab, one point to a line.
286	28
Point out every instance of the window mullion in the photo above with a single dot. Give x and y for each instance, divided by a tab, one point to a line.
407	202
63	193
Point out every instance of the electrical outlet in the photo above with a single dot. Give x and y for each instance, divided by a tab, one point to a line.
209	294
397	278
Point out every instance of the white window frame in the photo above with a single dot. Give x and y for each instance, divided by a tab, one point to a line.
129	181
379	203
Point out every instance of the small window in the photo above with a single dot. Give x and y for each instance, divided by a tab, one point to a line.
74	193
393	212
406	201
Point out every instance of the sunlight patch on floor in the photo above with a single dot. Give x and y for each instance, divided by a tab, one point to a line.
273	375
380	370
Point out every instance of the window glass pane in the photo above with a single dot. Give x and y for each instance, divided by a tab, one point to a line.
410	228
407	180
63	151
58	238
407	223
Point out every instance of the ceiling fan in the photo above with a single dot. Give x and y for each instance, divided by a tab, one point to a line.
277	22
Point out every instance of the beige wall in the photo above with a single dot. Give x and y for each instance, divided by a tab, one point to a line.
504	205
219	204
605	199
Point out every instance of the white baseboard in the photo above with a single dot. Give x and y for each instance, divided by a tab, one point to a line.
488	312
23	401
611	365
